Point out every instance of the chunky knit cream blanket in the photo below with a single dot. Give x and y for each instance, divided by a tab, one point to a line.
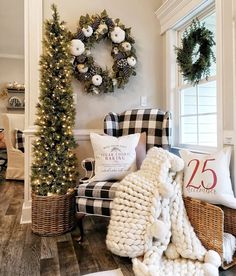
149	222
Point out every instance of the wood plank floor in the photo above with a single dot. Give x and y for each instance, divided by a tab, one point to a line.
26	254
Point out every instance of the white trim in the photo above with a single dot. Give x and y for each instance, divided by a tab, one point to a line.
33	19
219	71
11	56
33	12
234	88
174	13
171	74
81	134
26	213
84	134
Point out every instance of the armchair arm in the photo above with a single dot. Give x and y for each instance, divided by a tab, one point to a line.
111	124
88	165
15	158
166	130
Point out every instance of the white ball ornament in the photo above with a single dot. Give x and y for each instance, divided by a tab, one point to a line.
166	190
117	35
159	230
77	47
131	61
87	31
97	80
177	164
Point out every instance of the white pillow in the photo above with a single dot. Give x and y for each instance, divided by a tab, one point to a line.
114	157
207	177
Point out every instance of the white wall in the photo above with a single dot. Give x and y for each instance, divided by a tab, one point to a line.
145	29
12	27
11	45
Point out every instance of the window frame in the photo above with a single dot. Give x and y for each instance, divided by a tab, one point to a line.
180	85
172	75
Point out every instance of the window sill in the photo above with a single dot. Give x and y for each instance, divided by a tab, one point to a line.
203	150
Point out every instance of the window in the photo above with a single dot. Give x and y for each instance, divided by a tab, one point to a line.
197	105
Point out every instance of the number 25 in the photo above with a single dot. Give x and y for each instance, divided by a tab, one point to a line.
203	170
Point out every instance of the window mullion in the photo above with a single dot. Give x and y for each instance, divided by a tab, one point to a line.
197	115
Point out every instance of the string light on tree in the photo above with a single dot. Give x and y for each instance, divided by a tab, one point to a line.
54	169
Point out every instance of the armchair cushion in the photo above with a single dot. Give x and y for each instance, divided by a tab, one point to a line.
98	190
91	206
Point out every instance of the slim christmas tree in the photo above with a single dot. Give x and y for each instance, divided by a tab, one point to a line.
54	168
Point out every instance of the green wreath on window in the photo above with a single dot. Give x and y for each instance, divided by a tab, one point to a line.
91	30
197	44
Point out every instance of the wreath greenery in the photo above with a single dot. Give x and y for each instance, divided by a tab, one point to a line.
91	30
196	35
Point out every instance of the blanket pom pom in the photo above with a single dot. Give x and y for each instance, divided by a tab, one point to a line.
166	191
177	164
159	230
171	252
210	270
213	258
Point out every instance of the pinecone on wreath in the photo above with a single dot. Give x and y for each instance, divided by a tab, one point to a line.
93	71
120	55
109	22
95	24
126	71
81	58
80	35
122	63
87	76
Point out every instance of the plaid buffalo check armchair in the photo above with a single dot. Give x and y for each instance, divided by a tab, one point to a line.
95	198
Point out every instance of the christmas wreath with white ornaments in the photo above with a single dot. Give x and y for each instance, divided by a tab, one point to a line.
91	30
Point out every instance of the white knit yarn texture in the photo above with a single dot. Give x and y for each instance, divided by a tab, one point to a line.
148	212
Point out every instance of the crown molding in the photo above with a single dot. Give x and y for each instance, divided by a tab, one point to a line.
174	13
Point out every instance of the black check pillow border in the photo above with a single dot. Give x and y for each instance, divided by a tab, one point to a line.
20	140
98	190
154	122
96	207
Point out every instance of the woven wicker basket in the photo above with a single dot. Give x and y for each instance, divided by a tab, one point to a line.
53	215
210	222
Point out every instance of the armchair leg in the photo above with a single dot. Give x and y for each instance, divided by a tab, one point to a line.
81	228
